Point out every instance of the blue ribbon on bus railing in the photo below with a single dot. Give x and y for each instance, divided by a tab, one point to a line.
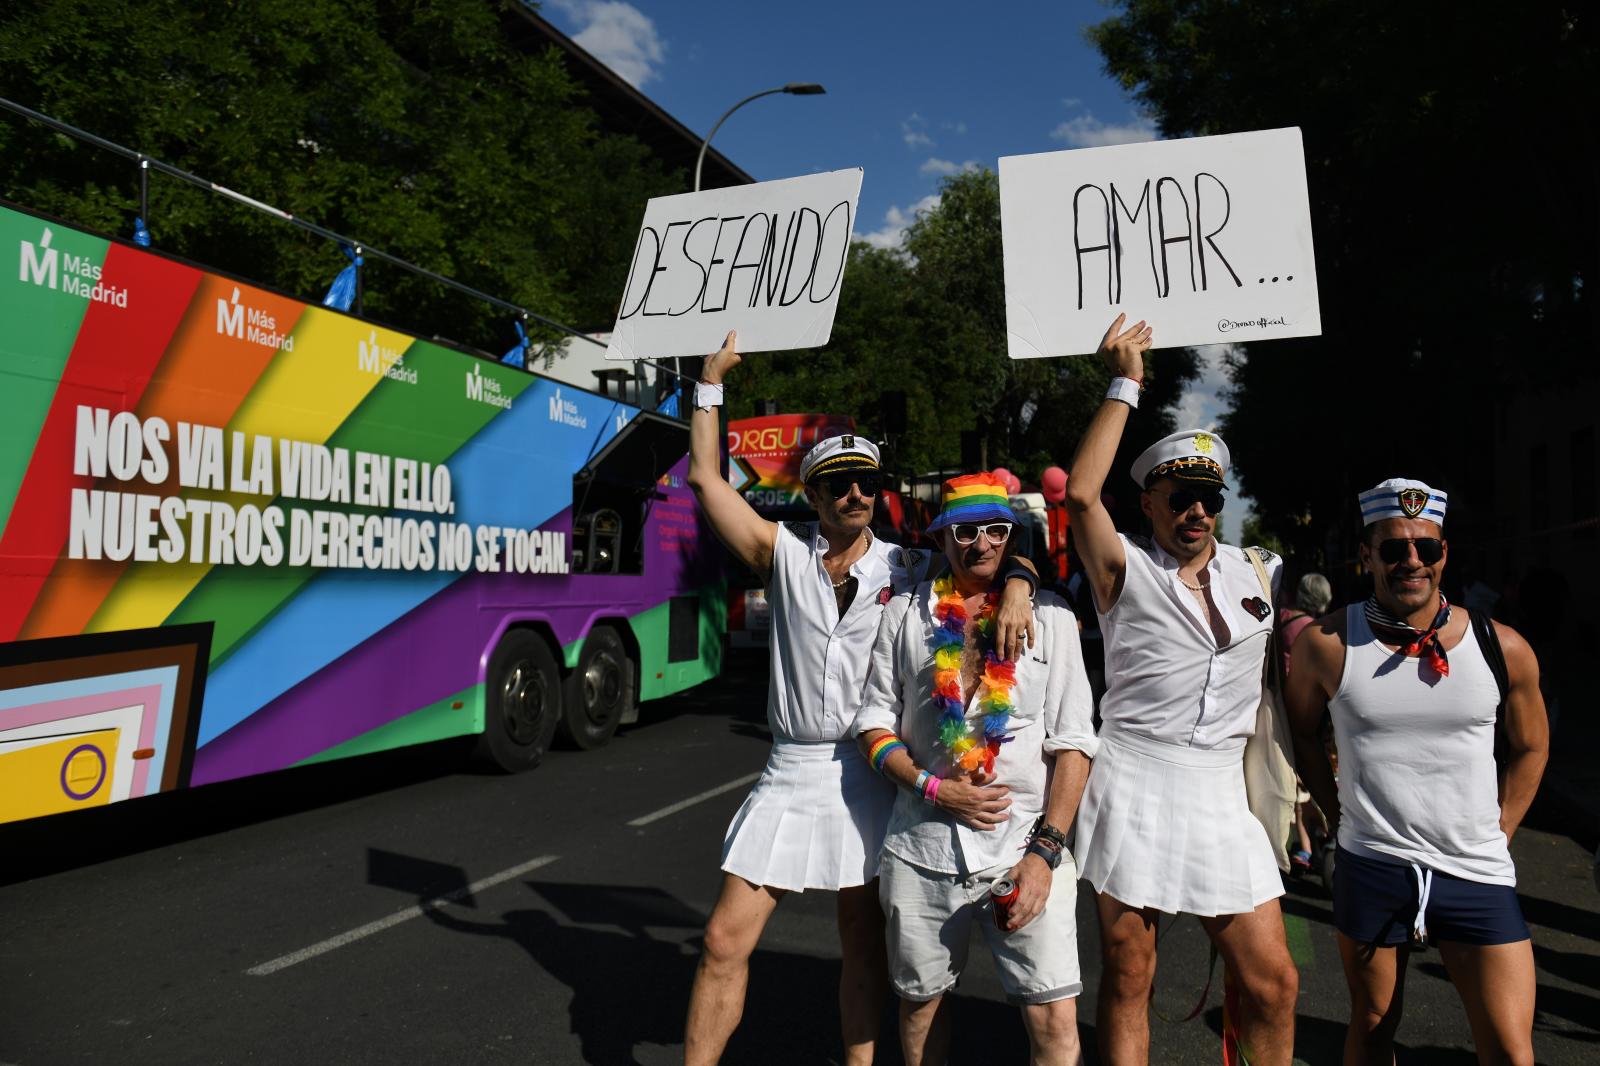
141	233
518	356
342	293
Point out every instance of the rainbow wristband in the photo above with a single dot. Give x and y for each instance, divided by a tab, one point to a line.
879	753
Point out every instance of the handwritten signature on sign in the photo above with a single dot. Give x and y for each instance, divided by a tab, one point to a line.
1228	325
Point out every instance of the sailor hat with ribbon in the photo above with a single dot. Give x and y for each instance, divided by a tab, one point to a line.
837	454
1403	498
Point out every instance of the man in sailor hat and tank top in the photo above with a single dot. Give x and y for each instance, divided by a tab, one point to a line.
1164	825
1424	813
950	718
816	817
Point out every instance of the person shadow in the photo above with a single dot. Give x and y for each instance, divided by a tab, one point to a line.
622	952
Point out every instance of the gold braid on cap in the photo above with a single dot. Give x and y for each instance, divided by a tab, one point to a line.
1187	462
847	461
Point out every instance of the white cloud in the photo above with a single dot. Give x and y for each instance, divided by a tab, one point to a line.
1086	131
619	35
957	128
944	167
893	233
914	131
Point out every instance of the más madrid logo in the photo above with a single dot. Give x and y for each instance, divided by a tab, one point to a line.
375	358
566	412
486	390
75	275
243	322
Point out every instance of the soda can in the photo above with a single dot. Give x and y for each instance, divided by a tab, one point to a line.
1003	893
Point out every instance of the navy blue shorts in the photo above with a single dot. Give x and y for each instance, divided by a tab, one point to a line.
1375	903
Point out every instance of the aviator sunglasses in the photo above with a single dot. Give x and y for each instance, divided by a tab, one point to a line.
1398	549
838	485
967	533
1180	500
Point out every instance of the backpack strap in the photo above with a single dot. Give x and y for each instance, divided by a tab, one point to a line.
1495	656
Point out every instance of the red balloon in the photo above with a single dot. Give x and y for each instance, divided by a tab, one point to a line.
1007	478
1053	483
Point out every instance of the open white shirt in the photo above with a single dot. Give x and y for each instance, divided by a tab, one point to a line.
1166	677
819	659
1054	712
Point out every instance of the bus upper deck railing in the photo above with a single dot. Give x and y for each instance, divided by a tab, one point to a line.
147	163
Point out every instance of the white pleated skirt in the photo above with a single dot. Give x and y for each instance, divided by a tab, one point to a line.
815	819
1168	827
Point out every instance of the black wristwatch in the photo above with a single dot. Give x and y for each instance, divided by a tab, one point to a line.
1051	856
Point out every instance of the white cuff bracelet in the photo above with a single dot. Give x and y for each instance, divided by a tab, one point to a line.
707	396
1124	389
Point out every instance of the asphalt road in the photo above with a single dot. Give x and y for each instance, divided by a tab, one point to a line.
292	919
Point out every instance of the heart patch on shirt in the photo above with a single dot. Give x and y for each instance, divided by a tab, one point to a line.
1256	606
885	594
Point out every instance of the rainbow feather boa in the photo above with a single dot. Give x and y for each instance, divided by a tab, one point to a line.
964	747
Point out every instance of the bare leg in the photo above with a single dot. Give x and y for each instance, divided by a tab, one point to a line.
1496	983
1300	827
1257	953
864	977
717	1001
1053	1032
1376	977
925	1032
1128	965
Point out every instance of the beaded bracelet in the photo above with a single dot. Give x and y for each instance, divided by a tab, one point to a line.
881	749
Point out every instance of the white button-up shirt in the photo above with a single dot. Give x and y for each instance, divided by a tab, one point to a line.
1166	677
1053	711
819	659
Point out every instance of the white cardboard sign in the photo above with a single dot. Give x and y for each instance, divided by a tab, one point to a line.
766	259
1208	239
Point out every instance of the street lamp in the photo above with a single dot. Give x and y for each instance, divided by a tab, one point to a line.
794	88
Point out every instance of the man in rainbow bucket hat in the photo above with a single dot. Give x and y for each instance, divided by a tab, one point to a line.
816	816
990	755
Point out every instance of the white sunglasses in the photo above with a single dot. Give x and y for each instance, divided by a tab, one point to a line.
966	533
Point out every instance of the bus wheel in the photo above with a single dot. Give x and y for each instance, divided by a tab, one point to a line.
599	692
522	702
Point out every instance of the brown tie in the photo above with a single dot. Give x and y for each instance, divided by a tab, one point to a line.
1219	627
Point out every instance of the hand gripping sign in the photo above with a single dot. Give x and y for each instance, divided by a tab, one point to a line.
1208	237
766	259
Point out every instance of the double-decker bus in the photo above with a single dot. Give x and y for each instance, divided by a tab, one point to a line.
240	533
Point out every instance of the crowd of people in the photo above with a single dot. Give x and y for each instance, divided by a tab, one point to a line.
938	760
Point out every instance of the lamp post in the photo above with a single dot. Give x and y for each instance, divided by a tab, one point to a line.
794	88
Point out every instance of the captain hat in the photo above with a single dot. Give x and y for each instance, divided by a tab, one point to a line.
1403	498
838	454
1193	455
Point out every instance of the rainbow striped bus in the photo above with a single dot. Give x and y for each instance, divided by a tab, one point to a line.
240	533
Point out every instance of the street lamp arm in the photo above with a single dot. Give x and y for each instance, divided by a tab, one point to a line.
794	88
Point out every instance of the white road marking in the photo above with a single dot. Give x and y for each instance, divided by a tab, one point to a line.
682	805
414	911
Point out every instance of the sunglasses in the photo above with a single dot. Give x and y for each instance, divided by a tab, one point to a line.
967	533
1398	549
838	485
1180	500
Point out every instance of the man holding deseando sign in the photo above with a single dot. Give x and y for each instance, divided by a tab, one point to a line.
1213	234
771	257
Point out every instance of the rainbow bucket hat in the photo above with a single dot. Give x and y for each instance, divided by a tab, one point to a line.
973	498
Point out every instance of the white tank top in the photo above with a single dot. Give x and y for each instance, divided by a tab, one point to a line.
1417	777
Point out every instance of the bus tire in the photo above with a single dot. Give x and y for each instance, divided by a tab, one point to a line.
600	692
522	702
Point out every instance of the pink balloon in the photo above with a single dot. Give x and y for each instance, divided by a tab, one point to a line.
1053	483
1008	479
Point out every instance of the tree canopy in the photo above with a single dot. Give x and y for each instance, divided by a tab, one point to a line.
1452	164
414	126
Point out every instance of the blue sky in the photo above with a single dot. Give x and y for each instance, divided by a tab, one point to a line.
916	91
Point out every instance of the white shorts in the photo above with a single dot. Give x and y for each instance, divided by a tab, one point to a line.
930	917
815	819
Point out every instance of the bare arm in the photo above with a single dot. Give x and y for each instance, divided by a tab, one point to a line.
1318	658
1033	875
748	536
1093	532
1527	730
